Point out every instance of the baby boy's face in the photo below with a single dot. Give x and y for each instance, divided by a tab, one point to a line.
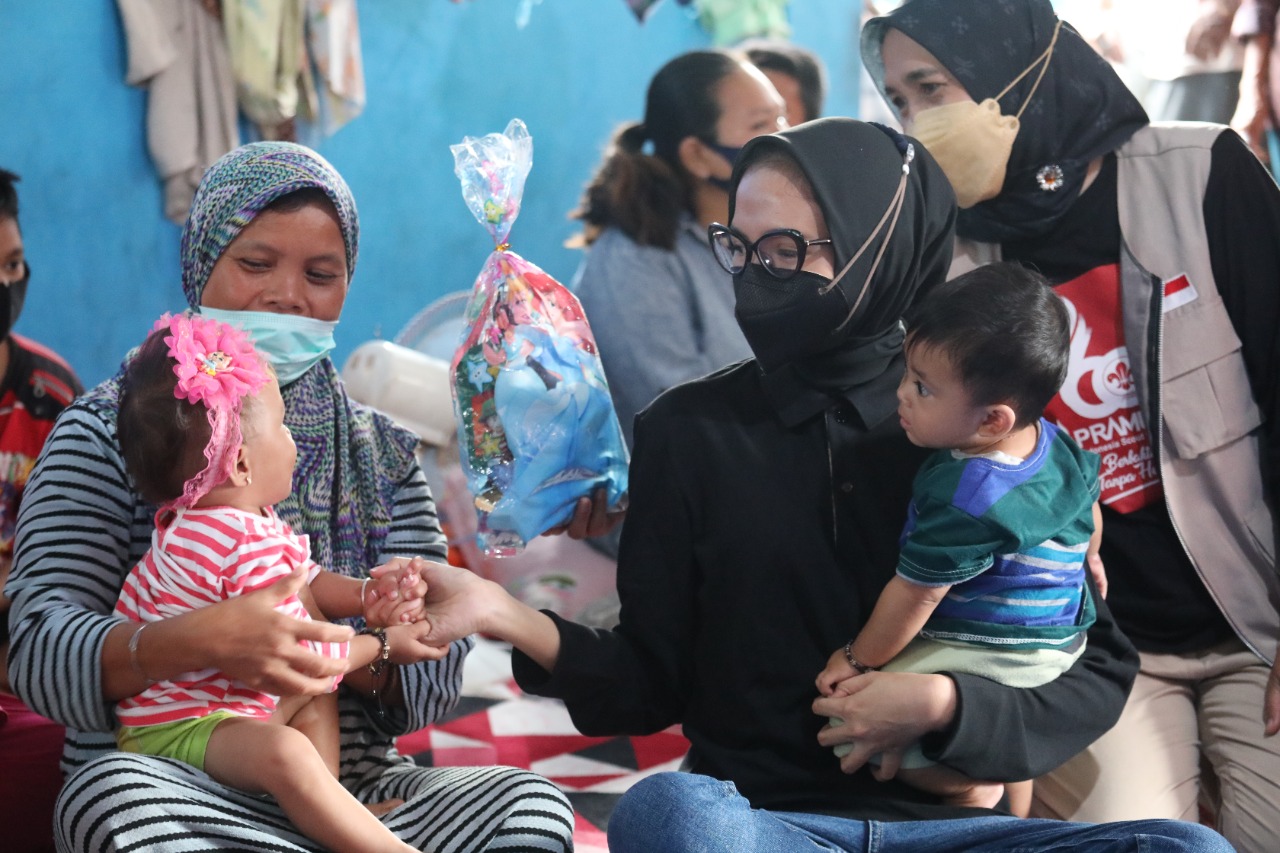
934	407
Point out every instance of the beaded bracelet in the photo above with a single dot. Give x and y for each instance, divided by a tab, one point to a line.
378	666
860	668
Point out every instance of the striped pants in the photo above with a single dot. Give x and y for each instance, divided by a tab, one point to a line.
125	802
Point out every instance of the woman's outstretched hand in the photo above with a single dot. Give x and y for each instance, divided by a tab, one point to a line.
458	602
453	599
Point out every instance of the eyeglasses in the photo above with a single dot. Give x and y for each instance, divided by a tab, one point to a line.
781	251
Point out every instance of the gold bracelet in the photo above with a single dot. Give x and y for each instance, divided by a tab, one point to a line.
133	653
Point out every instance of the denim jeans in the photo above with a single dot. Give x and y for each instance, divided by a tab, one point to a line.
677	812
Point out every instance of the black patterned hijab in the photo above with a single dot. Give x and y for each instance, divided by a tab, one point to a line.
1080	111
854	170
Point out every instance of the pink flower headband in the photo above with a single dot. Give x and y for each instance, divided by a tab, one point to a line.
217	367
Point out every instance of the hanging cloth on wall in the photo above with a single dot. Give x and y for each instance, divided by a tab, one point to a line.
333	36
176	51
731	21
266	40
276	44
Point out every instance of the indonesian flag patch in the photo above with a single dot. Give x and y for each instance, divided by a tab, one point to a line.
1178	291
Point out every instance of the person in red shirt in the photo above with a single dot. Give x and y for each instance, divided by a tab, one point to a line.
37	385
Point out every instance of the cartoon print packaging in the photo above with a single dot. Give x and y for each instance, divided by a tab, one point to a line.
536	425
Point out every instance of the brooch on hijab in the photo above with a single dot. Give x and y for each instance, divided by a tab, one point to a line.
1050	178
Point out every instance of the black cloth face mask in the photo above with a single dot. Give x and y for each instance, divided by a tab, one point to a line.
790	320
12	297
787	321
729	153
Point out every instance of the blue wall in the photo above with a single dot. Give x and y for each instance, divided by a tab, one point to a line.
105	261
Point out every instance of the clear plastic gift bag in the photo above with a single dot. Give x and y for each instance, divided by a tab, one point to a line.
536	425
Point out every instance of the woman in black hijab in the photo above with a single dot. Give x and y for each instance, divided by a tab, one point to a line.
1071	106
1162	241
766	502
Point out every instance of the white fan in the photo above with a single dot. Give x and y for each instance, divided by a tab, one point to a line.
408	379
437	329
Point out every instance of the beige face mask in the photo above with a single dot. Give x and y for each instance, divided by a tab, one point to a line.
972	141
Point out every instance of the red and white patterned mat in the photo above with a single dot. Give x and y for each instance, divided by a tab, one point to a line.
495	723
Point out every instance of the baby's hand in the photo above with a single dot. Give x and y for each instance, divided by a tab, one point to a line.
395	597
837	670
407	644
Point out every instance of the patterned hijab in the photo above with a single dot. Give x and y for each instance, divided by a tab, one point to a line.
350	460
1080	111
237	188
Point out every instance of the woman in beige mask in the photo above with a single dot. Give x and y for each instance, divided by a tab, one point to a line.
1161	240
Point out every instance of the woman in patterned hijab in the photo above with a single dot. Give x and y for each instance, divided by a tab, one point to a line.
270	245
350	463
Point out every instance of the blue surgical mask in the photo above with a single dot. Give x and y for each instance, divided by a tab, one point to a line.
292	343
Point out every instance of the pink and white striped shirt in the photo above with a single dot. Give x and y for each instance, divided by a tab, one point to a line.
199	557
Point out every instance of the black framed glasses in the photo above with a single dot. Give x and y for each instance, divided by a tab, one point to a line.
781	251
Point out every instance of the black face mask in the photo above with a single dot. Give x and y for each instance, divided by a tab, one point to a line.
728	152
12	298
786	321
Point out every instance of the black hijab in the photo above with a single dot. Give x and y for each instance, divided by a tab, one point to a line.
1080	111
854	170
